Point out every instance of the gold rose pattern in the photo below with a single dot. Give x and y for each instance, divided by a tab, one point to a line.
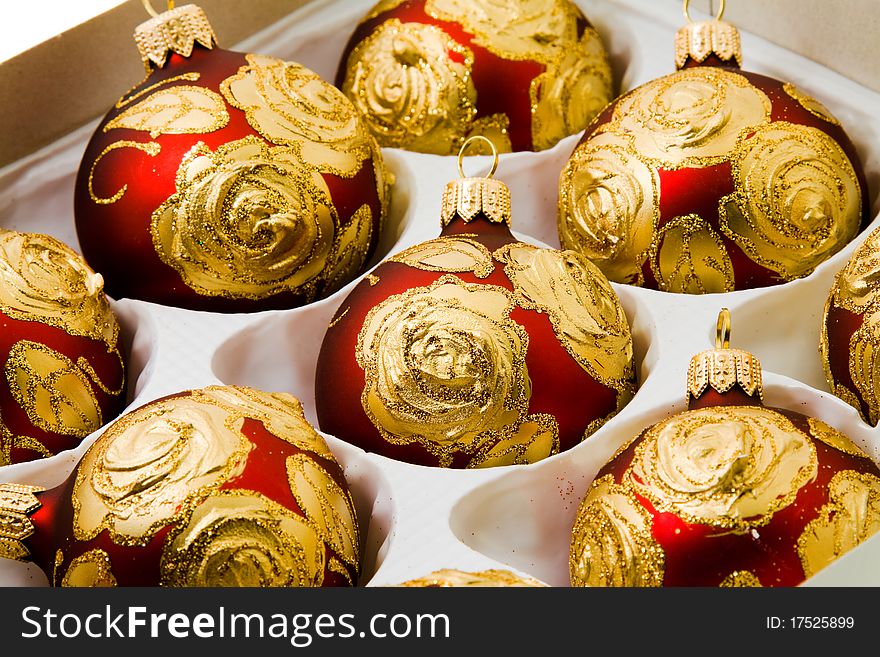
850	517
725	467
248	220
91	569
450	577
796	199
445	367
856	289
612	543
169	463
254	218
417	95
810	104
44	281
449	254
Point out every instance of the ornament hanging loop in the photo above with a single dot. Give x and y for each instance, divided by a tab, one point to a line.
687	14
467	143
152	12
722	330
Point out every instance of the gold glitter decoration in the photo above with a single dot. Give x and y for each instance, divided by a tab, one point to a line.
519	30
698	40
381	7
153	465
690	118
573	89
280	413
864	363
247	221
411	93
177	30
536	438
834	438
741	578
129	98
611	543
444	366
55	394
59	559
495	128
90	569
798	200
177	110
453	253
290	105
450	577
730	467
150	148
810	104
586	315
851	516
350	249
857	286
691	258
242	538
8	442
328	508
336	566
609	207
44	280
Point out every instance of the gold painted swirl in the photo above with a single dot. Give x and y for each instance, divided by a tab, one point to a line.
449	577
152	465
522	29
327	507
834	438
609	207
281	414
238	538
534	439
90	569
864	364
247	221
851	516
54	392
691	258
585	312
290	105
798	200
574	88
691	118
448	253
741	578
810	104
731	467
43	280
857	286
410	91
444	366
611	542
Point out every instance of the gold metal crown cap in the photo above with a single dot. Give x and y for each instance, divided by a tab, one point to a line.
176	30
466	198
17	502
722	368
699	40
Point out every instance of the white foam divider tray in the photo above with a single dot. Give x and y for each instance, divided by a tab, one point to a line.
417	519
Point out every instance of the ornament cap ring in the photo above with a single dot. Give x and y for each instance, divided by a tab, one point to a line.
467	143
148	5
722	330
687	14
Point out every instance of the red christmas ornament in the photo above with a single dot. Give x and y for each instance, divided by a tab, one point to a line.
727	493
475	349
851	331
223	486
62	363
227	181
428	74
711	179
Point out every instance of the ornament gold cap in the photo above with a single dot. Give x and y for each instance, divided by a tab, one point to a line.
722	368
17	502
466	198
699	40
177	30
